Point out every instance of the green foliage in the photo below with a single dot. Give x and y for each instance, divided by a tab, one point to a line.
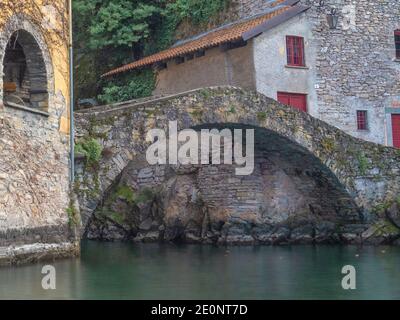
117	217
126	193
135	85
382	207
72	216
384	228
328	144
198	11
261	116
116	22
205	93
232	110
197	114
362	163
91	149
145	195
109	33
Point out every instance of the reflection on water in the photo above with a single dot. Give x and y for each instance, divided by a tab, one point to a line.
128	271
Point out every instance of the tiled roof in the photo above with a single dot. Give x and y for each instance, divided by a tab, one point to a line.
232	32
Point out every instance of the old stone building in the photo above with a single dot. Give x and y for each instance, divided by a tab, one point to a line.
34	131
337	60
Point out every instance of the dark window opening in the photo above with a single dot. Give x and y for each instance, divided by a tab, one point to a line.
362	120
397	43
161	66
295	51
233	45
25	77
179	60
200	53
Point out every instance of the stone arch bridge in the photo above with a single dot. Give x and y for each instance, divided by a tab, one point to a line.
312	181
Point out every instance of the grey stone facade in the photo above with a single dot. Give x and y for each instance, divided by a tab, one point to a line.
348	69
356	66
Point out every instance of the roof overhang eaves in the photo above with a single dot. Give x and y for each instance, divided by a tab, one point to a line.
275	21
293	11
167	58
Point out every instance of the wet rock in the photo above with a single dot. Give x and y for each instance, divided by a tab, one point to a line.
393	214
380	233
182	209
153	236
302	235
146	224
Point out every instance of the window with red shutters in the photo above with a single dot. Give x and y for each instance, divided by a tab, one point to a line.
295	100
397	43
295	51
396	130
362	120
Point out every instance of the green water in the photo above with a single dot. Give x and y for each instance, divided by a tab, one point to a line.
128	271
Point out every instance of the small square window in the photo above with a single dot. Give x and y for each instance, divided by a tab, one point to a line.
295	51
397	43
362	120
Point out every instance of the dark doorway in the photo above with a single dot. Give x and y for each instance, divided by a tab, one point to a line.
25	77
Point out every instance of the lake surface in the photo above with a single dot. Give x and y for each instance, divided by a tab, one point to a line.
148	271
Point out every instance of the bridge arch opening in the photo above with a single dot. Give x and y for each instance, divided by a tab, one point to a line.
291	197
25	81
289	183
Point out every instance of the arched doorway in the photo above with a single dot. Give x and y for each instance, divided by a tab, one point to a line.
25	77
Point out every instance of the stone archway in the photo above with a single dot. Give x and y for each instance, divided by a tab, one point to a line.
27	78
362	174
290	197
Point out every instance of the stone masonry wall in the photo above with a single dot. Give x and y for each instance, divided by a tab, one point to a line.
292	142
34	174
281	201
356	65
231	67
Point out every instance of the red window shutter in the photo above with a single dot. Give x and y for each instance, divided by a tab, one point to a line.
283	98
362	120
295	51
396	130
397	43
295	100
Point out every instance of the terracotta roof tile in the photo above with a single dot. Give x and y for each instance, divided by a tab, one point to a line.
214	38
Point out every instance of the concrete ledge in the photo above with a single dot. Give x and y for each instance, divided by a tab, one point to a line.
25	108
37	252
